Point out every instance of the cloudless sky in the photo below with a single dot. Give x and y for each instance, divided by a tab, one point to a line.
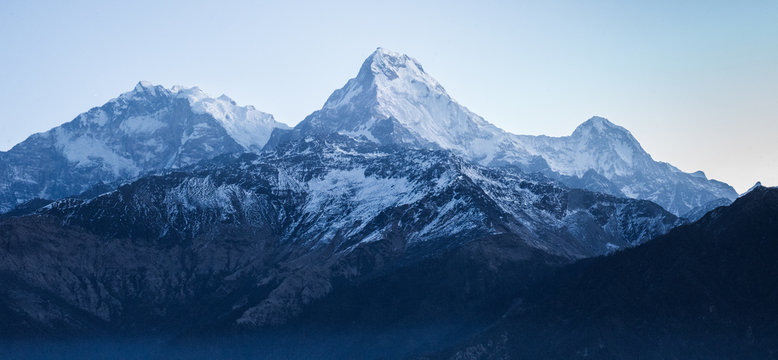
696	82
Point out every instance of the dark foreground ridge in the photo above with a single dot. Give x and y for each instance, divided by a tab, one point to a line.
332	233
392	223
708	290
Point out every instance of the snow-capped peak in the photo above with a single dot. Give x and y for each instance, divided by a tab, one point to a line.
383	76
598	126
193	94
596	144
147	128
385	66
598	123
141	85
248	126
224	97
393	100
144	89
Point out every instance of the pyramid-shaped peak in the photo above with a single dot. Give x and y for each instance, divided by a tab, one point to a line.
145	89
393	100
143	84
146	86
384	64
384	50
599	125
387	81
387	58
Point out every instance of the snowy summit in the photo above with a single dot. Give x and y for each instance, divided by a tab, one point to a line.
393	100
145	129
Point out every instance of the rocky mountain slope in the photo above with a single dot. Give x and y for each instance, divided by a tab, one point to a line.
704	290
392	100
145	129
249	240
605	157
392	215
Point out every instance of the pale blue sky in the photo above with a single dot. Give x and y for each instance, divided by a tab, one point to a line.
696	82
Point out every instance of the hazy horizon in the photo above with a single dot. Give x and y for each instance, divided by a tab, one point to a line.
694	83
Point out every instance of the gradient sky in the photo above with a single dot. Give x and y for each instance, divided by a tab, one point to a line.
696	82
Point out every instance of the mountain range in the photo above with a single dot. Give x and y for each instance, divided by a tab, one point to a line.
392	213
392	100
297	219
145	129
706	290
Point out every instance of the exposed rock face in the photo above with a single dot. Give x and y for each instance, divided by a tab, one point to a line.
392	206
392	100
605	157
706	289
146	129
256	238
700	211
